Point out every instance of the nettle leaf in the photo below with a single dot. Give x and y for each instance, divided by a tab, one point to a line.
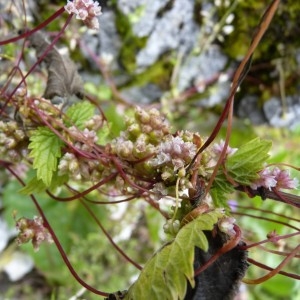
219	198
221	183
79	113
248	160
45	150
36	185
165	275
220	190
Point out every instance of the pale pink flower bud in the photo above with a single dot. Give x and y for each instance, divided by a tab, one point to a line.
226	225
266	179
284	181
33	230
86	10
218	148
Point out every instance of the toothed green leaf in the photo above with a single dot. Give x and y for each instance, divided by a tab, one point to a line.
80	113
36	185
165	275
220	190
45	150
248	160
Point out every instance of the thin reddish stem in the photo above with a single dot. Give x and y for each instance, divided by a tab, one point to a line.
266	219
66	199
233	242
57	243
86	192
281	253
279	237
273	194
39	27
265	211
109	237
237	80
274	271
106	75
51	45
125	177
43	117
258	264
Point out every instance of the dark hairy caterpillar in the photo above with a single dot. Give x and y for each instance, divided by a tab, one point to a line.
220	281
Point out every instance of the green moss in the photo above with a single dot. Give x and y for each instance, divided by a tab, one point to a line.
131	44
158	73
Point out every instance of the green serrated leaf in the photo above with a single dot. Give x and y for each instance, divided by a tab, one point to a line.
79	113
45	150
165	275
33	186
221	183
219	198
36	185
248	160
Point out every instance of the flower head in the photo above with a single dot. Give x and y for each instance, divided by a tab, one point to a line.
275	178
284	181
218	148
266	179
176	151
33	230
86	10
226	225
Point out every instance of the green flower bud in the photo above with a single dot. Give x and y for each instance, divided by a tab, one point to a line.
74	166
172	227
142	116
134	130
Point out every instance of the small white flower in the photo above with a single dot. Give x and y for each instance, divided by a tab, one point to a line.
266	179
218	148
284	180
70	8
82	14
226	225
86	10
275	178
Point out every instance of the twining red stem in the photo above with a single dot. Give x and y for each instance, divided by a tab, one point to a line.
74	191
86	192
279	237
39	27
281	253
109	237
233	242
258	264
51	45
57	243
265	211
266	219
275	271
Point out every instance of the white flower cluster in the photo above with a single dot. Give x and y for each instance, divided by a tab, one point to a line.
218	148
86	10
33	230
275	178
79	168
226	225
176	151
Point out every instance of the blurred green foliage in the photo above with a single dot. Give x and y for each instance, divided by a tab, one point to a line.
87	248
